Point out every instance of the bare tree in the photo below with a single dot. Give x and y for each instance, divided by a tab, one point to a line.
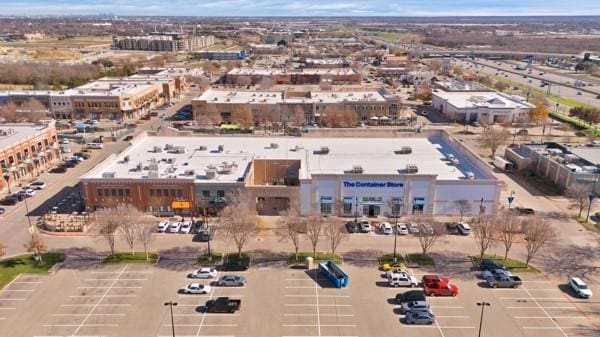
290	226
9	113
237	221
37	246
485	232
144	234
579	193
2	250
242	115
429	235
463	206
538	233
108	221
494	137
501	86
131	217
33	111
510	228
314	228
335	233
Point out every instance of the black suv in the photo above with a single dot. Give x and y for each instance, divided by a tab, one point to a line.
9	201
352	227
411	295
235	265
523	211
491	265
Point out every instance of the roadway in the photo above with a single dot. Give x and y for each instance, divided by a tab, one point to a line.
13	223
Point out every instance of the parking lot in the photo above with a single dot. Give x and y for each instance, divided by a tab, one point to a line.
128	300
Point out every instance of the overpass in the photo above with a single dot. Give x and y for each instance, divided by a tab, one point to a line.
491	53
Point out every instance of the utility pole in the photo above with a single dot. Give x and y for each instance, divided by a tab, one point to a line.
172	304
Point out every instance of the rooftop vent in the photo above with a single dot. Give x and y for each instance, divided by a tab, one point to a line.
357	169
274	145
171	160
211	172
470	175
189	172
322	150
201	148
126	159
179	149
220	148
404	150
169	147
157	149
108	174
411	168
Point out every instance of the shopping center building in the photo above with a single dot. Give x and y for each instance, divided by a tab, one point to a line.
418	174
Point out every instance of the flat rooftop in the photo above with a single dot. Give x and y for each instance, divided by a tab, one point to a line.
11	134
277	97
488	99
191	157
275	72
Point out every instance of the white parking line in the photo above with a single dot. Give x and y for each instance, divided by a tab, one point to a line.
95	305
559	328
324	296
438	327
5	308
314	304
201	325
196	315
95	296
202	295
81	315
316	336
111	279
193	336
299	287
109	287
117	272
299	279
12	299
74	325
212	292
323	315
446	307
437	316
545	312
528	298
17	290
27	282
552	317
555	307
320	325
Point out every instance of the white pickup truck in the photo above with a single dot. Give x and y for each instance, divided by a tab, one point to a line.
402	279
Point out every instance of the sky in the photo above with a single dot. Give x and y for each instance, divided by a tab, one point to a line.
303	8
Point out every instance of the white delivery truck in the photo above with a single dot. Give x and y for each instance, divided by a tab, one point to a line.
503	164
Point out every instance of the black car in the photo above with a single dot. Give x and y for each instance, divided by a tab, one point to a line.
523	211
352	227
2	210
411	295
70	163
203	235
82	155
487	264
128	138
235	265
8	201
58	169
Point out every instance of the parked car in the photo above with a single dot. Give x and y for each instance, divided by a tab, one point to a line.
503	281
463	228
29	192
64	141
365	226
83	155
223	304
407	307
203	273
401	229
523	210
175	227
413	228
352	227
235	265
9	201
37	185
2	210
494	272
59	169
232	281
195	288
24	194
163	226
204	235
411	295
393	265
186	227
487	264
402	279
522	132
580	288
420	317
386	228
440	289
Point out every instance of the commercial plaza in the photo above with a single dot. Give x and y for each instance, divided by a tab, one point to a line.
423	174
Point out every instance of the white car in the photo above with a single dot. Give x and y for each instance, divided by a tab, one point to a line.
463	228
365	226
75	158
386	228
163	226
203	273
186	227
38	185
401	229
413	228
175	227
580	288
29	191
195	288
402	280
64	141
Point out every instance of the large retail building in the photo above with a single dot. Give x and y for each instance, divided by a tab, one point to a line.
411	175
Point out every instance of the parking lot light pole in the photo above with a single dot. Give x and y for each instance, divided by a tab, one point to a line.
171	304
482	305
591	198
355	209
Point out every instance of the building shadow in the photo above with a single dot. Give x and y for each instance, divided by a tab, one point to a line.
68	200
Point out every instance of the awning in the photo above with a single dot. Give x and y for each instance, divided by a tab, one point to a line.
374	118
376	203
419	202
326	201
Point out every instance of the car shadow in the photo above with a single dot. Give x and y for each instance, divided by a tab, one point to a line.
483	285
201	309
398	311
383	284
566	289
392	301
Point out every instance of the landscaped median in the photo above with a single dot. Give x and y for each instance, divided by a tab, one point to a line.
127	257
318	257
12	267
512	265
213	258
409	259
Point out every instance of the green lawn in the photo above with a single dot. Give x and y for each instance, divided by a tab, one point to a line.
126	257
204	258
546	186
420	259
235	256
511	264
321	256
12	267
388	258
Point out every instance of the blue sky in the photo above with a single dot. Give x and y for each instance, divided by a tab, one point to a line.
303	8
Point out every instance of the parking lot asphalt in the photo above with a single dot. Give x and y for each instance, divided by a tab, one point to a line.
128	300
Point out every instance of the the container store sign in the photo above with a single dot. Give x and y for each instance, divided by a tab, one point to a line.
372	184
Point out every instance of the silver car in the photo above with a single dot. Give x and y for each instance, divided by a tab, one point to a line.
420	317
414	306
232	281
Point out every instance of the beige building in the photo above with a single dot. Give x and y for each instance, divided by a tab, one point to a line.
284	76
170	42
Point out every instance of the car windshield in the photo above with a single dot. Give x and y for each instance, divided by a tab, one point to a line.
582	286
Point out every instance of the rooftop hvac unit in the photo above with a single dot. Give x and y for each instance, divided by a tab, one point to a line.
455	162
221	148
153	175
357	169
470	175
274	145
171	160
126	159
108	174
139	167
157	149
411	168
169	147
153	167
404	150
201	148
179	149
211	172
189	172
324	150
450	156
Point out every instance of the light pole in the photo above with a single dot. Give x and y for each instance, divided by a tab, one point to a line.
355	209
481	208
172	304
482	305
6	176
591	198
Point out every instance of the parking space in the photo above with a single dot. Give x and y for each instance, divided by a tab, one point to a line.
16	294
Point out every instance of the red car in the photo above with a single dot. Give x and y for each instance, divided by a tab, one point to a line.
433	279
440	289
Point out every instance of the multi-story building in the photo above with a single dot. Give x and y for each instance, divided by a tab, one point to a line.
277	38
170	42
221	55
468	101
267	49
349	177
288	105
301	76
26	150
326	63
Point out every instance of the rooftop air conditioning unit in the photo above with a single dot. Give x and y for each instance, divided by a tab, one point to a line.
157	149
169	147
455	162
211	172
201	148
324	150
221	148
108	174
274	145
404	150
470	175
179	149
189	172
126	159
357	169
171	160
153	175
411	168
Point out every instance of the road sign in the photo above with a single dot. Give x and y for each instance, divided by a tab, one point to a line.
510	200
180	204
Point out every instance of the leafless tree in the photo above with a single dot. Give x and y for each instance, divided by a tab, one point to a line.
108	221
243	116
579	193
37	246
237	221
144	233
494	137
501	86
429	235
335	233
510	228
463	206
2	250
130	224
485	232
9	113
314	229
290	226
33	111
538	233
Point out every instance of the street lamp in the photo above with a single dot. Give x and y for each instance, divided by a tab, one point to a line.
6	176
172	304
482	305
355	209
481	208
591	198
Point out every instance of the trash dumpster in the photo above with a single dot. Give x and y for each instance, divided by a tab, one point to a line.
334	273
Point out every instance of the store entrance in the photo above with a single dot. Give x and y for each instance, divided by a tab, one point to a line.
371	210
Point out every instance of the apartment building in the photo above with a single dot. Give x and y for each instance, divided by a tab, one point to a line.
221	55
169	42
301	76
25	150
295	106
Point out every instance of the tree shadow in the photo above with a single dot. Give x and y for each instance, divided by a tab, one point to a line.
178	258
82	258
264	258
363	257
453	264
570	260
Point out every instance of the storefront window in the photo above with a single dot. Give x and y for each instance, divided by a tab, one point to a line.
348	205
396	206
418	205
326	203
